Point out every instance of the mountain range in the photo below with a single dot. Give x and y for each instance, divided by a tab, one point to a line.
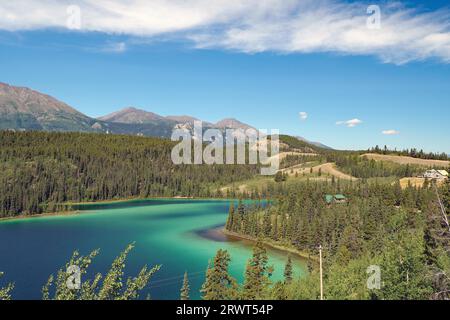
314	143
25	109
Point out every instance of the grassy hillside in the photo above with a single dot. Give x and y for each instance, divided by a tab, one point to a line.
407	160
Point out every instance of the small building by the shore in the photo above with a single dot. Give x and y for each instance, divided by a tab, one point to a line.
336	198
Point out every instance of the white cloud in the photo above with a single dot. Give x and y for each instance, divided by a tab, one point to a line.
284	26
109	47
350	123
390	132
117	47
303	115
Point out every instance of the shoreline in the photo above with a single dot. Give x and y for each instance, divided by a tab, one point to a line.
143	199
218	233
43	215
76	212
270	244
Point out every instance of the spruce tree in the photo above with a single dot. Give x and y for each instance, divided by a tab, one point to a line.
241	208
219	285
230	220
267	224
278	176
446	196
257	274
288	273
185	289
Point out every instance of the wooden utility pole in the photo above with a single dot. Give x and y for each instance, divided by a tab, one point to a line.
321	273
444	214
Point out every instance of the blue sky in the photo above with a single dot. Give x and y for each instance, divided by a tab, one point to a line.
396	87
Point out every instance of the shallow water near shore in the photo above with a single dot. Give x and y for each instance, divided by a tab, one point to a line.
179	234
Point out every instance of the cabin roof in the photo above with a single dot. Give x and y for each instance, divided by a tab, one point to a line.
329	198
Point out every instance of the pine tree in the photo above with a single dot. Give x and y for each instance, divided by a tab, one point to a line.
257	274
230	220
279	176
404	268
274	233
219	285
267	224
288	273
185	289
446	196
241	208
51	168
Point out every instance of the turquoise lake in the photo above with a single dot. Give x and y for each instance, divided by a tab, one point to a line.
173	233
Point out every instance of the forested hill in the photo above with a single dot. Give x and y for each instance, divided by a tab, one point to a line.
401	231
293	143
40	170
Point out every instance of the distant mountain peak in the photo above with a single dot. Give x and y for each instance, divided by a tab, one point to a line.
182	119
131	109
22	108
132	115
232	123
5	85
30	101
314	143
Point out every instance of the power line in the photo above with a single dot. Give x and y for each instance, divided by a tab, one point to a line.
179	277
171	283
174	280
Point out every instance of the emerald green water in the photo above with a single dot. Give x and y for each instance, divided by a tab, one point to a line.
172	233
